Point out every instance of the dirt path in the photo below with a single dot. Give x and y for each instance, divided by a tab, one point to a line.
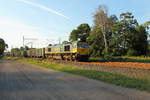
20	81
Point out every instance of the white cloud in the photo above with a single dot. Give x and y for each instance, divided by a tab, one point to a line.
44	8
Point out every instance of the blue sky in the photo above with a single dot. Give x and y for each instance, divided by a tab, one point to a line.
48	20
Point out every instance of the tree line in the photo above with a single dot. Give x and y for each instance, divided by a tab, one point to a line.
113	36
19	51
14	51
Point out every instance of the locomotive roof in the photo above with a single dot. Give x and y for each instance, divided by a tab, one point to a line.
69	43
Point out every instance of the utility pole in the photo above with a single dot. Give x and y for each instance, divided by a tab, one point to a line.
29	41
59	40
23	41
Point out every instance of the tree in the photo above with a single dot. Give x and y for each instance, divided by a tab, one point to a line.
140	43
113	19
81	33
128	35
102	31
102	21
96	43
24	48
117	37
123	34
116	42
146	24
6	46
2	46
129	25
15	52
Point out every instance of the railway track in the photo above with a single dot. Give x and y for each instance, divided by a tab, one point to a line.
133	70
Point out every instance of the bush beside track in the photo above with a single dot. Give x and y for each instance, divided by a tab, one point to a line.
116	79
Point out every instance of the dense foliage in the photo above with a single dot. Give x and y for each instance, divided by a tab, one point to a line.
81	33
19	51
114	36
2	46
126	37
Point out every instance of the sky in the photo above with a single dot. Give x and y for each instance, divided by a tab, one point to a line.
51	21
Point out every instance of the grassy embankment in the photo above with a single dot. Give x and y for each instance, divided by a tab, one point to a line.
123	59
116	79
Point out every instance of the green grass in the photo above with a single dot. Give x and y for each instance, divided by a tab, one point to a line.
115	79
136	59
12	58
123	59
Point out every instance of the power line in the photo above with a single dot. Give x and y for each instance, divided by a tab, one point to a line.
29	41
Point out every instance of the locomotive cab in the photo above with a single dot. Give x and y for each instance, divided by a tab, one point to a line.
82	51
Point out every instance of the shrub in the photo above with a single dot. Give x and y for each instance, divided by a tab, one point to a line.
132	52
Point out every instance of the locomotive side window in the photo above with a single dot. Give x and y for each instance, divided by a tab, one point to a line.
67	48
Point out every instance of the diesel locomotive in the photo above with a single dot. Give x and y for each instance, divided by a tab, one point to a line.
66	51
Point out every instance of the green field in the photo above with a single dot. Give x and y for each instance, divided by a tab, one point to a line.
116	79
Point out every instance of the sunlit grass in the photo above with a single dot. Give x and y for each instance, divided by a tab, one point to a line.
12	58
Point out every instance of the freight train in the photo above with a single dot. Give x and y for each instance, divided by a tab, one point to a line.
67	51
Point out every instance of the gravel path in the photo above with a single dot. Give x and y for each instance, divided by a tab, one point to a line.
20	81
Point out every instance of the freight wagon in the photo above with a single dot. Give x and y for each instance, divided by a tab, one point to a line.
36	53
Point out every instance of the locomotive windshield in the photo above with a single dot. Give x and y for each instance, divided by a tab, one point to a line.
83	46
